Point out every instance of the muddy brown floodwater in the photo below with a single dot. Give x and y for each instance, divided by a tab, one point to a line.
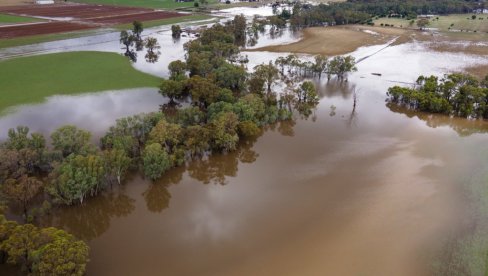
375	190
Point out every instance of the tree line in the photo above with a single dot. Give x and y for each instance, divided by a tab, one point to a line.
362	11
456	94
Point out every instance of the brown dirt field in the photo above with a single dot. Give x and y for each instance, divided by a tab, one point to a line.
79	11
83	17
15	2
340	40
41	28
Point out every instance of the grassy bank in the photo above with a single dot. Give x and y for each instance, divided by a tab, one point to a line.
32	79
10	19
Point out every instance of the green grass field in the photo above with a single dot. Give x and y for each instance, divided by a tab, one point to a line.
155	4
10	19
446	23
168	21
32	79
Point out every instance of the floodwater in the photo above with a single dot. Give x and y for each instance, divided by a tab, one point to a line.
371	190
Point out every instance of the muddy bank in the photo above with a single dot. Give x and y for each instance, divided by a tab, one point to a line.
341	40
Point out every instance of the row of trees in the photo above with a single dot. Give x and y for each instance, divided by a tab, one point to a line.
339	66
361	11
456	94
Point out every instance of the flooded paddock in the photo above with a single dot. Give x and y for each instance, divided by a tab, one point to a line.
366	190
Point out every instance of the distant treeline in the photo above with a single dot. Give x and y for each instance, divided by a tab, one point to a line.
362	11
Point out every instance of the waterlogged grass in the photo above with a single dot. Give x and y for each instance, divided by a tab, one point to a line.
10	19
28	40
467	254
168	21
32	79
155	4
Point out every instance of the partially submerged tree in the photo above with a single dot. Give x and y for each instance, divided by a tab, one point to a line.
153	47
22	190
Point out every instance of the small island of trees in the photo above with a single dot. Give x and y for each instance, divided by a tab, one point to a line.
456	94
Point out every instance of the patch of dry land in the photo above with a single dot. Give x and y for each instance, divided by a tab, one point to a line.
339	40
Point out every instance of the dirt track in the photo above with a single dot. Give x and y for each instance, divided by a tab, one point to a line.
74	17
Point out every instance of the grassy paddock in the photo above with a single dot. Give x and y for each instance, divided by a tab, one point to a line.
168	21
445	23
10	19
32	79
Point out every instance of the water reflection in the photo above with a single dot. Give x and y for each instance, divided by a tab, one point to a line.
216	169
157	195
461	126
95	112
93	218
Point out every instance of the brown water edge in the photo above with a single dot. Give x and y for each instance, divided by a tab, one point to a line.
378	194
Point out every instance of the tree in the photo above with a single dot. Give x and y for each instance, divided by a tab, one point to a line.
20	243
307	94
176	31
230	76
46	251
320	65
18	138
422	22
116	164
224	132
172	89
166	134
340	66
267	73
128	40
22	190
196	140
62	255
203	91
177	70
239	28
69	139
77	178
153	47
155	160
137	29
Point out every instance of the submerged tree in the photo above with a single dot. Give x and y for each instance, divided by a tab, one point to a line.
77	178
22	190
153	47
128	40
155	160
70	139
176	31
137	29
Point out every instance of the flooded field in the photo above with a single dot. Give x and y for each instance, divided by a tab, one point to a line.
370	190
